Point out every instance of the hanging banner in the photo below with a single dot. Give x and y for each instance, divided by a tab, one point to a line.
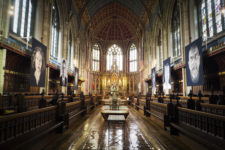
194	64
166	74
76	78
63	73
38	64
153	80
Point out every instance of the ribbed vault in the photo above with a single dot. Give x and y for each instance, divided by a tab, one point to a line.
114	22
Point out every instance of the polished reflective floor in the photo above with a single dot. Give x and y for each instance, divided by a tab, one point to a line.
92	132
104	135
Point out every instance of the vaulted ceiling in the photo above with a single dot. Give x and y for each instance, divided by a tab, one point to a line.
112	20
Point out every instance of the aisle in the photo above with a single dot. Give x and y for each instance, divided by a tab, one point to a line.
101	135
90	132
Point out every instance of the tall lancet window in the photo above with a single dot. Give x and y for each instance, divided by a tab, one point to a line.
95	58
133	58
159	50
114	54
211	18
55	32
176	40
21	21
70	51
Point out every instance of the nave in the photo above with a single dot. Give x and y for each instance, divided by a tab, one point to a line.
91	132
60	60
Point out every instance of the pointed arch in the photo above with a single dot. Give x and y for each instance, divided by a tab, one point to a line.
114	53
175	28
55	32
95	57
70	50
133	58
22	19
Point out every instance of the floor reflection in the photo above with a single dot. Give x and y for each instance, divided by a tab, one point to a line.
114	136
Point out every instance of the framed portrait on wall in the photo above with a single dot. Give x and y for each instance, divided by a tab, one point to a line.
194	63
166	74
76	78
38	64
153	79
63	73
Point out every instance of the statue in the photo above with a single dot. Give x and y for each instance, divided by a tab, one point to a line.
114	91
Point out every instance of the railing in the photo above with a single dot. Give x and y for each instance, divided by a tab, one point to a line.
159	110
15	125
12	103
141	104
74	109
26	124
183	103
32	102
209	123
213	108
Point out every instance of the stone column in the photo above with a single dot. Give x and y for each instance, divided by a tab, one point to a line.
184	37
4	28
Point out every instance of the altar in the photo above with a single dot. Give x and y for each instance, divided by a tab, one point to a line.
114	106
107	113
115	110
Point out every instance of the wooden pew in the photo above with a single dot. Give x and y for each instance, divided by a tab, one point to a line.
7	104
74	109
17	128
89	102
158	110
213	108
10	103
141	103
32	102
205	127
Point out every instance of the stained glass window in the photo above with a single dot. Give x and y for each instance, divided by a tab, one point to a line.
21	22
114	54
55	32
211	18
218	16
133	58
159	50
204	27
95	58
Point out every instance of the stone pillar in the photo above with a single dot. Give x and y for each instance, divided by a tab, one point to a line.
47	80
185	34
2	65
4	28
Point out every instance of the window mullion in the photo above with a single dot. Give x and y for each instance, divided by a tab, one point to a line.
19	17
26	19
214	17
29	21
223	18
23	18
16	16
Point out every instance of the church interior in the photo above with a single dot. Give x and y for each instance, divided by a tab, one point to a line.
112	74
